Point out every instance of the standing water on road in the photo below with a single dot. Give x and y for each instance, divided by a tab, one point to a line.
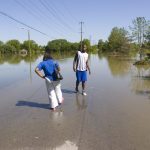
113	116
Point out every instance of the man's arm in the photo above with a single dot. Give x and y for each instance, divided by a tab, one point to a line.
88	67
75	62
39	73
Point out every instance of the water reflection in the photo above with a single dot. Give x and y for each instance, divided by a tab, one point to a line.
76	124
16	58
141	71
61	131
22	67
141	86
81	102
141	80
123	66
68	145
57	116
119	66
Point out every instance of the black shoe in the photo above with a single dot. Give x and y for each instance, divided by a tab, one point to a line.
76	90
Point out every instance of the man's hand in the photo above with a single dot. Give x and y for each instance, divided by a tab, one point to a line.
74	69
43	77
89	72
39	73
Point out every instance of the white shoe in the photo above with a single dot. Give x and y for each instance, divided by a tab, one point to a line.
84	93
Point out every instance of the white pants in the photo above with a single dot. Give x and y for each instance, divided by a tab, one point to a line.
54	92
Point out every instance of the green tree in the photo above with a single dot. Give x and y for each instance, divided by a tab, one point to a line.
15	44
87	43
32	44
58	45
100	45
139	29
8	48
94	49
147	35
118	40
74	46
1	43
103	46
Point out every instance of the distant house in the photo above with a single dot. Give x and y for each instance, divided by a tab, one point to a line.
23	52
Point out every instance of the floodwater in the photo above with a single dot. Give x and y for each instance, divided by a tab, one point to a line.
113	116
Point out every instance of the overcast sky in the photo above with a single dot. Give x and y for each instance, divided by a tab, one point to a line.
60	18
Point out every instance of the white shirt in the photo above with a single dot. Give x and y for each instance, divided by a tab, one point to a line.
81	62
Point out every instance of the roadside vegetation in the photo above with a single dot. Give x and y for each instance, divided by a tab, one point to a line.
121	41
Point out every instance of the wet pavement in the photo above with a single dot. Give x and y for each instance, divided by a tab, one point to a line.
113	116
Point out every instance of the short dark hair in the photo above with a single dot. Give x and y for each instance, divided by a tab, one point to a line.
47	55
83	44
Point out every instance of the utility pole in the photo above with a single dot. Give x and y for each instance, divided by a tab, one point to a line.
29	52
30	55
29	42
90	39
81	33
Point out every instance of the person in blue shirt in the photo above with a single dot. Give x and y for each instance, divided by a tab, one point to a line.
47	70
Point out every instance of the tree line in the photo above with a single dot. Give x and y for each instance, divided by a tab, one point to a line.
58	45
14	46
120	40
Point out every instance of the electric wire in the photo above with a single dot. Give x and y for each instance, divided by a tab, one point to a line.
54	15
20	22
69	12
46	16
60	15
40	18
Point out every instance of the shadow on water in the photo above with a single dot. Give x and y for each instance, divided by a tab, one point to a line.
33	104
68	91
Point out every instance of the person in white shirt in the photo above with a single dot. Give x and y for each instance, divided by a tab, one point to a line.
80	66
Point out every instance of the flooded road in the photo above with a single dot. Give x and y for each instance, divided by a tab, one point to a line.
113	116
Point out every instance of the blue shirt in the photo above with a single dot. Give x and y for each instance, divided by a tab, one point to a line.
49	66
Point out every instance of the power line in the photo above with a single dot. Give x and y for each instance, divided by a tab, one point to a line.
20	22
54	15
62	13
26	8
69	12
38	9
59	18
55	10
30	12
37	16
